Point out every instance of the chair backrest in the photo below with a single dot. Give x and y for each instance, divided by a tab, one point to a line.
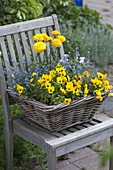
16	40
16	44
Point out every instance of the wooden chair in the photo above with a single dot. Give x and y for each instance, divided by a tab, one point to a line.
16	46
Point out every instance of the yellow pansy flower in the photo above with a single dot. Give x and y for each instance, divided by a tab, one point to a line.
46	77
101	76
69	86
110	94
64	78
55	32
58	65
31	80
106	83
33	74
98	92
20	88
67	100
47	84
40	80
39	47
59	80
63	74
99	97
86	91
68	78
96	82
86	74
51	89
56	42
77	92
52	73
63	90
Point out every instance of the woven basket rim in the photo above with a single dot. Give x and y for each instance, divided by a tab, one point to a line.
51	108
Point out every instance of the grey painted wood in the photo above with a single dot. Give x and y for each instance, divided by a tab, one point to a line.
7	121
12	52
83	133
26	47
26	26
51	158
5	53
31	42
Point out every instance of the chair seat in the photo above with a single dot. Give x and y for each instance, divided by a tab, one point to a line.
70	139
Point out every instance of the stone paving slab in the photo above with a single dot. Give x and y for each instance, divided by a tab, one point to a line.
104	7
79	159
90	163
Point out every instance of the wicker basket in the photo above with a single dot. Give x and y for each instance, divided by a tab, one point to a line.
62	116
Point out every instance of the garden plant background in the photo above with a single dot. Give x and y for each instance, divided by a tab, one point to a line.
82	28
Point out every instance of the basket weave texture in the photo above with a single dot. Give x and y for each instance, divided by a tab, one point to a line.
58	117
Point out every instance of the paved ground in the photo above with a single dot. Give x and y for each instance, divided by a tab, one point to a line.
88	157
105	7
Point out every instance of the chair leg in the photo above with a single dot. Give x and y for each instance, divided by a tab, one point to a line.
111	159
9	149
51	158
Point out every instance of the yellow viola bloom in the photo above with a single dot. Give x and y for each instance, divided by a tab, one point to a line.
39	47
47	85
40	80
31	80
86	74
68	78
63	74
98	92
110	94
78	86
38	37
46	77
55	32
64	78
77	92
58	65
101	76
33	74
20	88
69	87
52	73
86	91
61	38
96	82
67	100
51	89
106	83
99	97
63	90
56	42
59	80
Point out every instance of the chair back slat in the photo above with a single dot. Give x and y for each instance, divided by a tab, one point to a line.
12	52
30	38
26	47
21	57
5	54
